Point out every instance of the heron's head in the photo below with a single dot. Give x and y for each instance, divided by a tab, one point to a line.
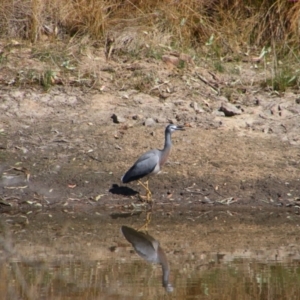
170	128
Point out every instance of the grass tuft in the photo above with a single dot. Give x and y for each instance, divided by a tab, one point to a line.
283	79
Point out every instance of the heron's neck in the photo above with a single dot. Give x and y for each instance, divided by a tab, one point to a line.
168	141
167	148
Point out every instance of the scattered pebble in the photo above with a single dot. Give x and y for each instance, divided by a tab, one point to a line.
118	119
149	122
229	109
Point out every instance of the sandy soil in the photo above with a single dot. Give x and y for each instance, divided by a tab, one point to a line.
62	153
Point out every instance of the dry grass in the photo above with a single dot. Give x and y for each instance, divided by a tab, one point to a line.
215	29
234	24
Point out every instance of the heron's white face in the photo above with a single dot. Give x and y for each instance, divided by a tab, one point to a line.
173	128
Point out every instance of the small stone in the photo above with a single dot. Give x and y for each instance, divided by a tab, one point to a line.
118	119
194	105
229	109
169	59
137	117
149	122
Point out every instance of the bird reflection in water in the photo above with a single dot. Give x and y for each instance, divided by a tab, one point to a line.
150	250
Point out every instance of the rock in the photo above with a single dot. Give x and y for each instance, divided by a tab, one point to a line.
229	109
149	122
169	59
176	59
218	113
163	95
118	119
194	105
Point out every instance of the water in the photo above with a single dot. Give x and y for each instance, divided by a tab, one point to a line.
120	278
69	256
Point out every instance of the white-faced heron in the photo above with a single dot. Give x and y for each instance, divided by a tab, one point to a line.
149	249
151	162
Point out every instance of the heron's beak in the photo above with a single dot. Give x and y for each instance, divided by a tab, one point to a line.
180	127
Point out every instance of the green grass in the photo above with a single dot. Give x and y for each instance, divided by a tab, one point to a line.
284	78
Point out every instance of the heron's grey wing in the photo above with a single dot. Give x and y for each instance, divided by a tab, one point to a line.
144	244
144	166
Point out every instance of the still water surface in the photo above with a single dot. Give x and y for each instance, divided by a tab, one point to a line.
120	278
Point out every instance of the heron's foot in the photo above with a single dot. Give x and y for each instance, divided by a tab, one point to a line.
147	198
148	192
143	198
147	222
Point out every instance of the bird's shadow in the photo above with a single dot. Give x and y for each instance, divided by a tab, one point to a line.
122	190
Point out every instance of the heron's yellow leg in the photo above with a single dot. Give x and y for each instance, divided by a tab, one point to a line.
148	192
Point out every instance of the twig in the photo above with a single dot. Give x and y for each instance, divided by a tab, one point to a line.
208	83
92	157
